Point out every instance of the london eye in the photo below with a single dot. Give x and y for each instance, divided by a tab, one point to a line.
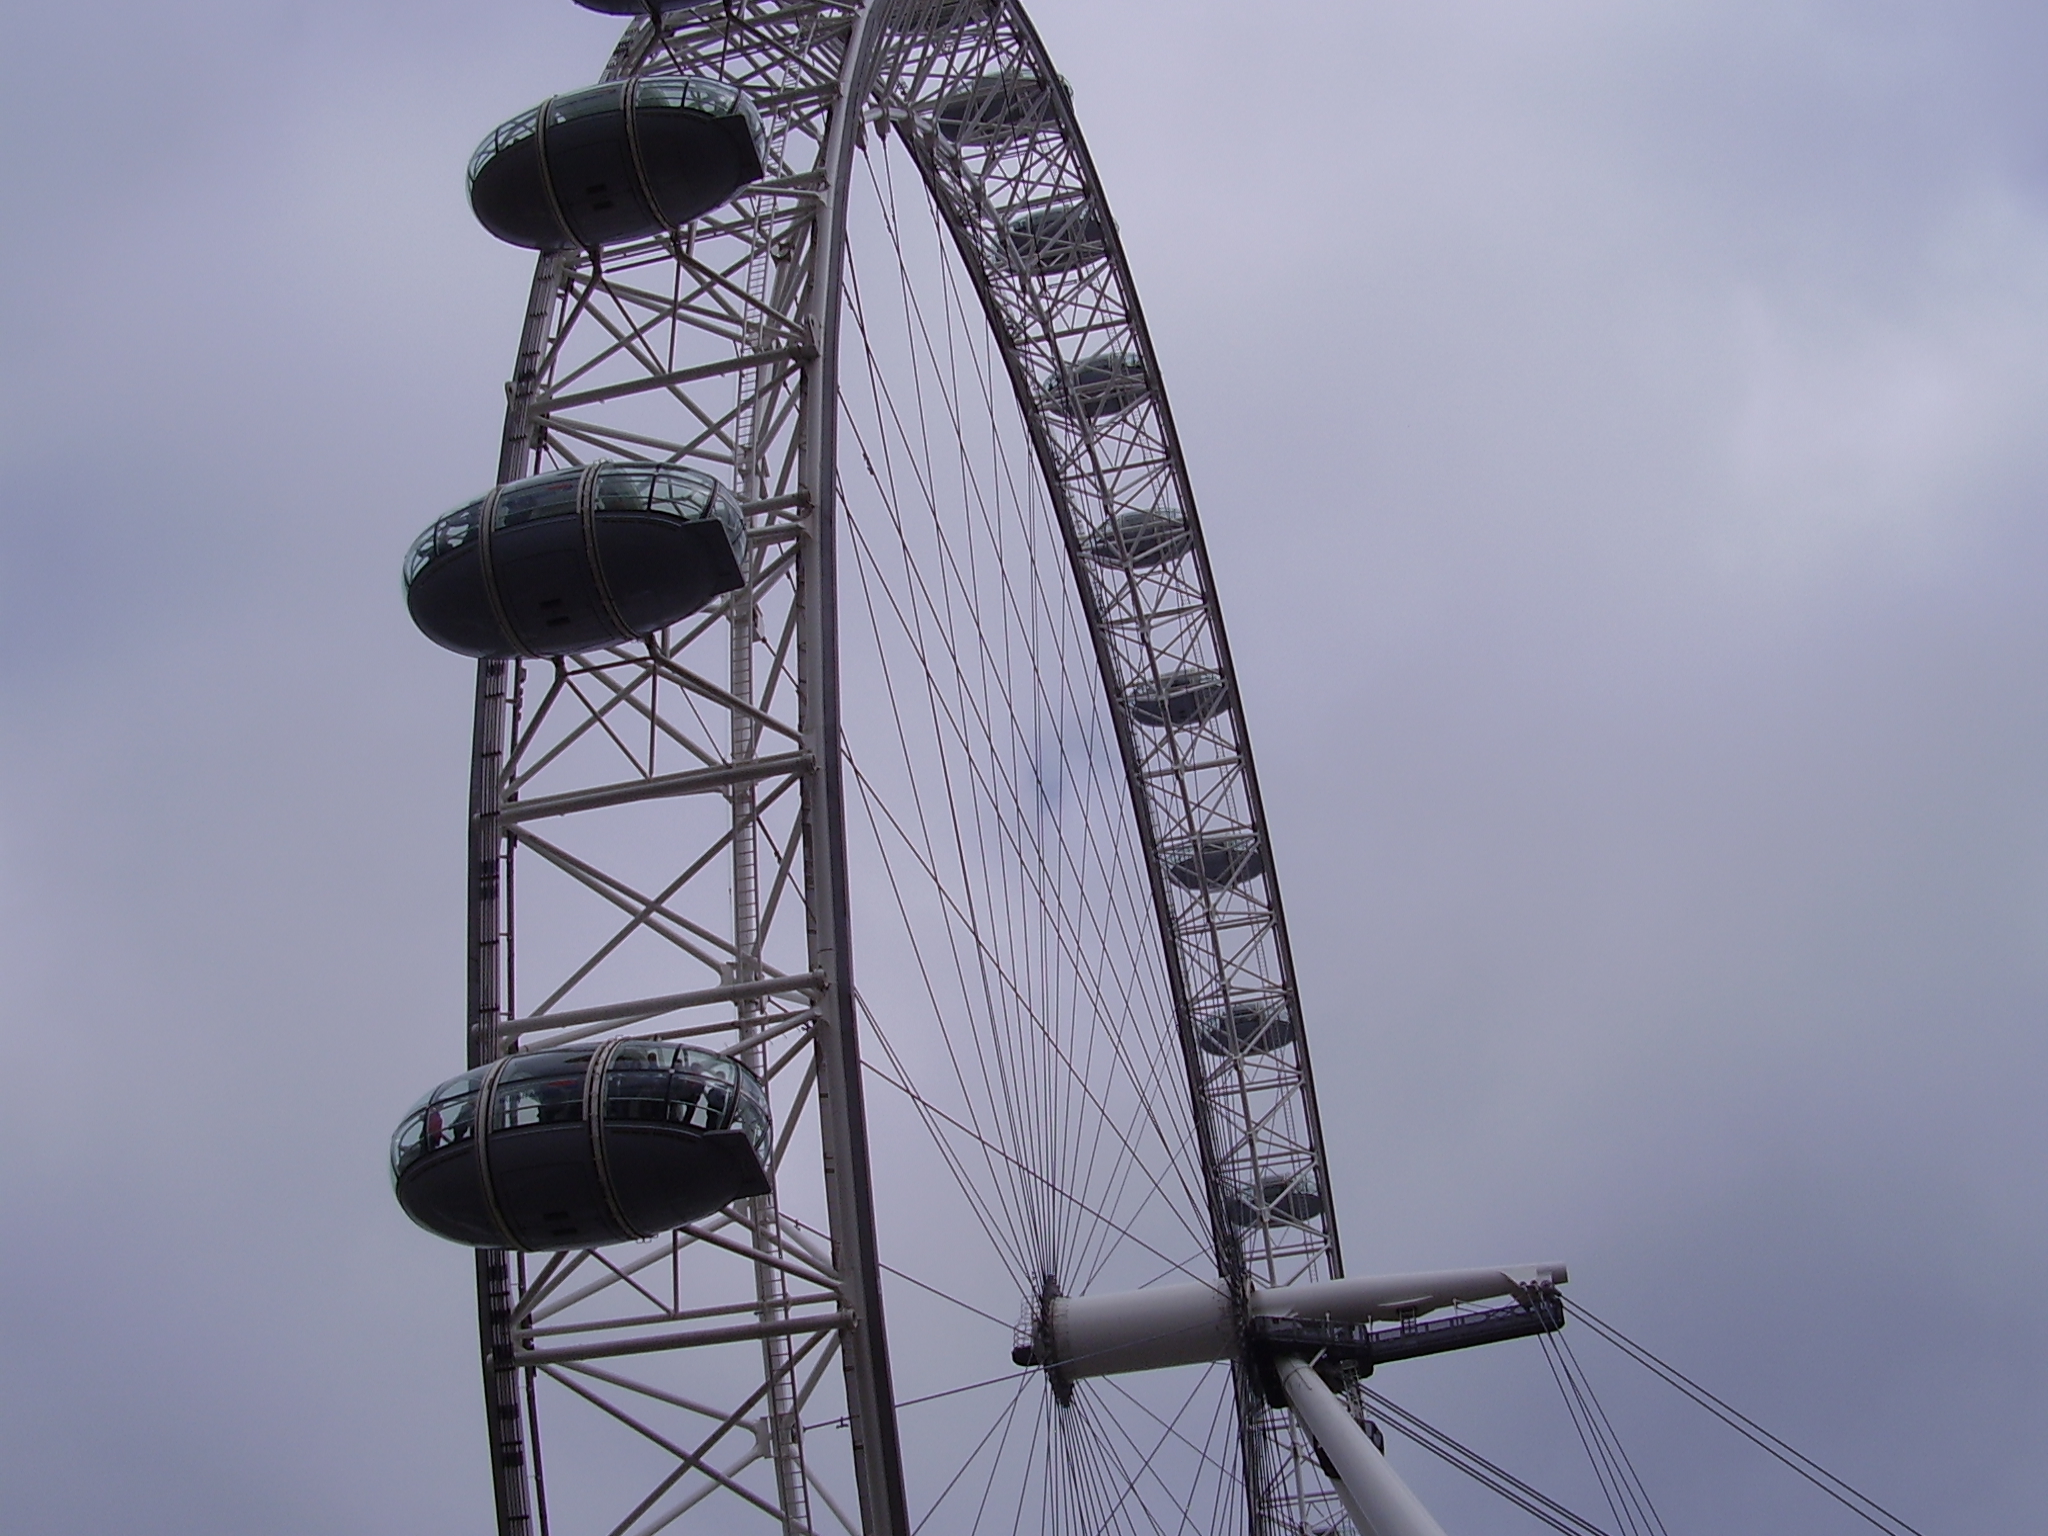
887	1097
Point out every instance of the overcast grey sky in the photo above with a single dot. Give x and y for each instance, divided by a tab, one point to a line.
1617	426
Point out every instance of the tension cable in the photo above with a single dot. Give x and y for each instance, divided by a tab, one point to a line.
1834	1487
1479	1469
1627	1498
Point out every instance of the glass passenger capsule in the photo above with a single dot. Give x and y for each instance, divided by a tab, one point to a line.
1214	862
612	162
932	17
1137	540
1178	698
1106	384
1247	1029
575	559
998	108
583	1146
642	7
1278	1197
1055	239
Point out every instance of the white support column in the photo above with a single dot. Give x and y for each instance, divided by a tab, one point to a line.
1379	1502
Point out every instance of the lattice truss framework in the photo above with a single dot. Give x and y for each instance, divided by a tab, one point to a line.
651	847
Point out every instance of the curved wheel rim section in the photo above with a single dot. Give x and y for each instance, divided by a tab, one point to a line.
659	842
1152	620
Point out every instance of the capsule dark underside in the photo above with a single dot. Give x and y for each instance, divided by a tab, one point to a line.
598	166
658	571
545	1180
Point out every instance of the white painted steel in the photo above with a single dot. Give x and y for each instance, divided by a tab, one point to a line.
714	351
1379	1503
1146	1330
1389	1298
1168	1325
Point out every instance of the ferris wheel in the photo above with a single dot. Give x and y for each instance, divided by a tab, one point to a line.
842	578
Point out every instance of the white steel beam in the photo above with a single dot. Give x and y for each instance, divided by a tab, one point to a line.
1191	1324
1379	1503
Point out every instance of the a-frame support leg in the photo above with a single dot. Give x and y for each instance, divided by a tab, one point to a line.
1379	1502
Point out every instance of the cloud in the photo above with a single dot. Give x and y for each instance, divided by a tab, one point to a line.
1616	430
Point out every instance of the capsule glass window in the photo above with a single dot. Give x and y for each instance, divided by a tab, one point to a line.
544	1089
636	1082
711	97
521	128
439	1119
593	101
528	501
421	552
627	488
448	533
458	527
